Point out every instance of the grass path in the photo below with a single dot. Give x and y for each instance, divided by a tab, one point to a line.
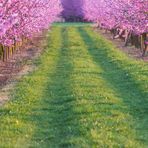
85	93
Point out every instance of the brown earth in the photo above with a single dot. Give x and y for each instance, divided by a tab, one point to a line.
18	65
131	51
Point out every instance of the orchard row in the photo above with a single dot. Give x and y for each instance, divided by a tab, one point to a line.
25	18
128	14
127	19
21	19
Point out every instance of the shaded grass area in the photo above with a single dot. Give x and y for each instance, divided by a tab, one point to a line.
62	126
84	93
128	78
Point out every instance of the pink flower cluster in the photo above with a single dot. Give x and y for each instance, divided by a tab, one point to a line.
24	18
128	14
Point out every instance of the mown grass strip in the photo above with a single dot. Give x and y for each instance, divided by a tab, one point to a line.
58	103
103	117
127	77
18	118
80	96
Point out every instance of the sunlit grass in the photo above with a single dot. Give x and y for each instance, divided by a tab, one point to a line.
85	93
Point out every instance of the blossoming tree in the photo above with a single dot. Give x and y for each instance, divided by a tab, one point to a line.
126	15
24	18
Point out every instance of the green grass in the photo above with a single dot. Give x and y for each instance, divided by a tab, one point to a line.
72	24
85	93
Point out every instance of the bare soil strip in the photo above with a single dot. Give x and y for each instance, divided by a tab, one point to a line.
131	51
20	64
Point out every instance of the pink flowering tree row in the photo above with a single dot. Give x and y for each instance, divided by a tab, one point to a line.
127	19
128	14
24	18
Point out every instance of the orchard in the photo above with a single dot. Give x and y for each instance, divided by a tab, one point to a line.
126	18
24	19
73	73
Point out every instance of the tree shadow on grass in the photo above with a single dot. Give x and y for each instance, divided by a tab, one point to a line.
57	123
122	82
